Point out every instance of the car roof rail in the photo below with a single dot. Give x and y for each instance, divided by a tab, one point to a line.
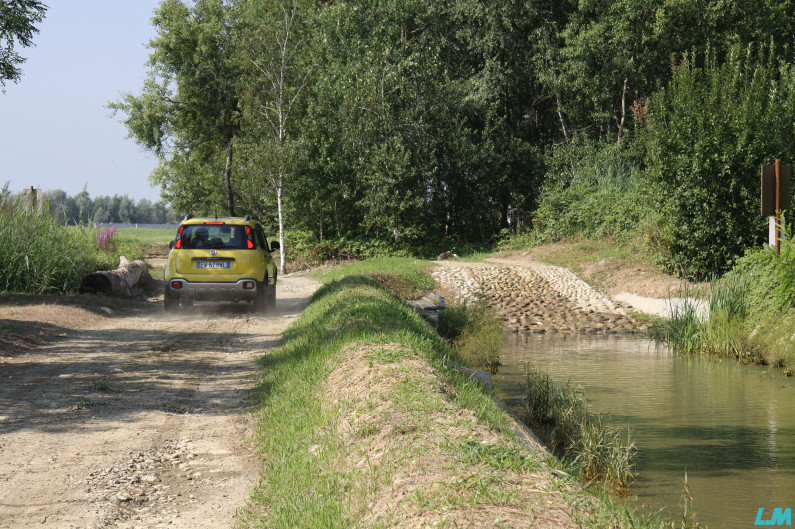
187	217
246	218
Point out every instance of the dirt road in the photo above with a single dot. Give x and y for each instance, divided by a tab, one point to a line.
130	418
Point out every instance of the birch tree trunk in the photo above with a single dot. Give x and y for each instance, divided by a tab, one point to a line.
281	226
230	198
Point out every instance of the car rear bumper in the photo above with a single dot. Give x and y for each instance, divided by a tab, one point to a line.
213	291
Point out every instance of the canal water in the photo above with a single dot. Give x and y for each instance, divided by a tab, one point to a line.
730	428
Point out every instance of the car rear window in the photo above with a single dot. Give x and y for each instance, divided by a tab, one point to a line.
226	236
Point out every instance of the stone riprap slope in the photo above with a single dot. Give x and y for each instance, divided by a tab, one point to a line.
537	298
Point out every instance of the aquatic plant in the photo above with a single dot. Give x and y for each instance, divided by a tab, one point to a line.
714	323
559	413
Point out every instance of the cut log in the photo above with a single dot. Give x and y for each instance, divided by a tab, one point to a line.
117	282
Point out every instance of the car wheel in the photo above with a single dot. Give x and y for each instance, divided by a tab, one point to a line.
271	301
170	304
260	301
271	295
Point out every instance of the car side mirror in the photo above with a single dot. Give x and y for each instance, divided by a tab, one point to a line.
171	245
275	246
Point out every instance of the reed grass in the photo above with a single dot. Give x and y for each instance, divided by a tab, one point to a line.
597	449
721	328
39	256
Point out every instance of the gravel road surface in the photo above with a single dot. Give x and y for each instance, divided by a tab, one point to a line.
136	420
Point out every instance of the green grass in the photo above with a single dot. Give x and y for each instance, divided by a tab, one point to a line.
475	257
317	468
723	330
144	236
406	276
577	254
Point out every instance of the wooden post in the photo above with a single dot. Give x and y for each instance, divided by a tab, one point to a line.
776	199
778	205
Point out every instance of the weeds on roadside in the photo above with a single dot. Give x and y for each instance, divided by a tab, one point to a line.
84	403
100	385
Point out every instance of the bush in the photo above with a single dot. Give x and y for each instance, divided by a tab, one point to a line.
476	334
304	250
710	130
771	278
593	190
769	328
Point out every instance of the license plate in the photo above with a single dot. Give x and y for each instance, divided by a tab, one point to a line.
212	264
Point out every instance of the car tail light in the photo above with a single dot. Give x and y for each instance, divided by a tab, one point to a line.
176	285
248	285
249	242
179	239
216	223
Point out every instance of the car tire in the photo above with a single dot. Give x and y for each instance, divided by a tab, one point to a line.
261	299
170	304
271	295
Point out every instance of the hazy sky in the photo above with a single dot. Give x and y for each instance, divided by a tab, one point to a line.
55	132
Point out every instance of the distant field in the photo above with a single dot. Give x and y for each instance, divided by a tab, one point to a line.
146	235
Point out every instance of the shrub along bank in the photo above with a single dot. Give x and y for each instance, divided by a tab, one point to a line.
749	313
363	424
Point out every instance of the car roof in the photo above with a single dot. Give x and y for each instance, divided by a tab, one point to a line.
227	220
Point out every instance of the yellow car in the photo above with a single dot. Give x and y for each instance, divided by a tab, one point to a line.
220	259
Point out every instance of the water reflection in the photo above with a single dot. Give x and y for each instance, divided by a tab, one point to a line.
730	427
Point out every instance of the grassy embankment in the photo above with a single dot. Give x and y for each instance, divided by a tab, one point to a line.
364	424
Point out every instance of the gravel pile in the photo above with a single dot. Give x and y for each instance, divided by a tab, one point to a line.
141	487
537	298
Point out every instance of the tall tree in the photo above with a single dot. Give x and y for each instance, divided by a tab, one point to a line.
18	19
274	46
189	104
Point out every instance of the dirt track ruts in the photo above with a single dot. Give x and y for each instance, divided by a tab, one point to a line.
137	420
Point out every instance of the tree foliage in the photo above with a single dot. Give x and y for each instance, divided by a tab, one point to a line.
82	209
188	112
418	124
711	130
18	19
